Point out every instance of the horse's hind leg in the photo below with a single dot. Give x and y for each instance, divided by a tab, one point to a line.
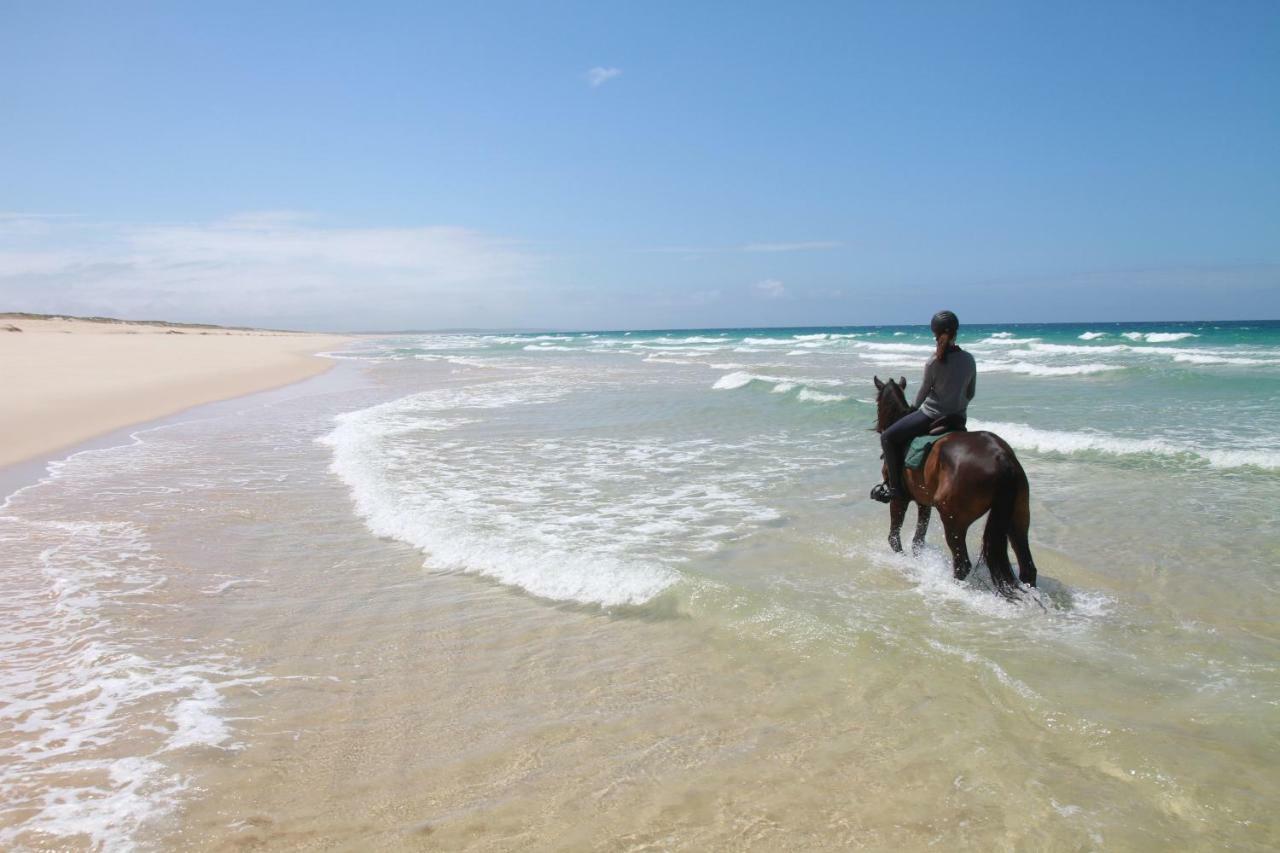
1018	539
959	551
922	526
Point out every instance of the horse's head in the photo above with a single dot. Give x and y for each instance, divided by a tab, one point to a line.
891	401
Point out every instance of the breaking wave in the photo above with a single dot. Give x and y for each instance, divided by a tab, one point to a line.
1030	369
1159	337
1026	437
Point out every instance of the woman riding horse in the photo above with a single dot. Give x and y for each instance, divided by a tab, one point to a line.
966	475
950	379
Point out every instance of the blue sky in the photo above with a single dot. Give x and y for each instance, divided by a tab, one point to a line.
387	165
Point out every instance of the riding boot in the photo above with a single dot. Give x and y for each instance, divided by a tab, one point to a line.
896	488
891	489
893	471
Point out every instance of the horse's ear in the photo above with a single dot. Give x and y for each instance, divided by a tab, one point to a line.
879	384
902	380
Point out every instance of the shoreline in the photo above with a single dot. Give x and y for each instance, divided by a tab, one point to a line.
72	381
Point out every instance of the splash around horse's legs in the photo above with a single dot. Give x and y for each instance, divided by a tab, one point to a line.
922	526
897	512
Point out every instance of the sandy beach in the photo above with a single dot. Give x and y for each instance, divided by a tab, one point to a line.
625	591
67	380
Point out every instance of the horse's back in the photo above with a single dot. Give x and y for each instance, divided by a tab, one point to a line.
976	457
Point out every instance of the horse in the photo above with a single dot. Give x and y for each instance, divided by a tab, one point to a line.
965	475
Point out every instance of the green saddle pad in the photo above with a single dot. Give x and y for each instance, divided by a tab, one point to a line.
918	449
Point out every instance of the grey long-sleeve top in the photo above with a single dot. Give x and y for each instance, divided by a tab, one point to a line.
947	386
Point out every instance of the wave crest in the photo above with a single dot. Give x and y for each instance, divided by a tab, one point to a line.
1026	437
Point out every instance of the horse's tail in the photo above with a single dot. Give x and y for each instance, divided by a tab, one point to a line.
995	538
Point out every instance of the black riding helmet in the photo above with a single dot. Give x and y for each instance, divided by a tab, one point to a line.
944	321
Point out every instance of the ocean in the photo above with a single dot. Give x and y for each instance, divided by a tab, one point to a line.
626	591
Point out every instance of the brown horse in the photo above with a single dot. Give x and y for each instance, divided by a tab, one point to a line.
965	475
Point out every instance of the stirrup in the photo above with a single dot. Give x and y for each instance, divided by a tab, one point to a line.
883	492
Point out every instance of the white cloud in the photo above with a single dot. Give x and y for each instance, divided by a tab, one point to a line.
263	269
598	76
771	288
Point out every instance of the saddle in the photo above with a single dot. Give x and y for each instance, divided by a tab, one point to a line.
917	450
949	423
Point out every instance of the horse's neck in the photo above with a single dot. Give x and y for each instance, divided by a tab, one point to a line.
893	412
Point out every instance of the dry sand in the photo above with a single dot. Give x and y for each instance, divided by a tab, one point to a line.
65	380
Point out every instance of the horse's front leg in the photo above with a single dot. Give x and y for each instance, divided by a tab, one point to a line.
897	512
922	526
959	551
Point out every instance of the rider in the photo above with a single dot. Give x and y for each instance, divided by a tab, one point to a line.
950	379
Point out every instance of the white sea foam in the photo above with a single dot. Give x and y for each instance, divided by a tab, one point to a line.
1067	349
781	384
1025	437
671	348
1178	354
1159	337
468	519
1031	369
76	685
460	360
768	342
1206	358
231	584
875	346
663	358
891	358
1092	336
932	573
739	379
810	396
1007	339
694	339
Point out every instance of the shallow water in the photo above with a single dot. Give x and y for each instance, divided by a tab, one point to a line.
626	591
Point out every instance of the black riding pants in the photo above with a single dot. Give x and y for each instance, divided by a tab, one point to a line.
895	439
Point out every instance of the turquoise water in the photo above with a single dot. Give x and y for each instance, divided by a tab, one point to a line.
1198	393
645	564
